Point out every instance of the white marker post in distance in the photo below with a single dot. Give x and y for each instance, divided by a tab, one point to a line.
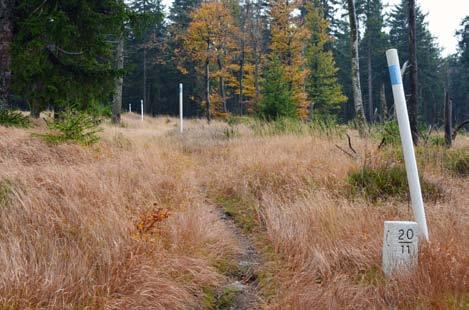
130	108
141	109
181	128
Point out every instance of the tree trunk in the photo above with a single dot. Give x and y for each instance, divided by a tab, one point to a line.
241	78
35	109
448	120
222	86
412	105
207	88
383	103
356	87
370	84
117	100
6	36
145	103
241	63
257	51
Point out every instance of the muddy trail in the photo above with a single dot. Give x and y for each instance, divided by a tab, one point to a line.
242	289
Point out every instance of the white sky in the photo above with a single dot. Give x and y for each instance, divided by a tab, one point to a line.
444	17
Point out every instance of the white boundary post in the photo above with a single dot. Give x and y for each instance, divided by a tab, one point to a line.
400	247
181	128
141	109
130	108
407	144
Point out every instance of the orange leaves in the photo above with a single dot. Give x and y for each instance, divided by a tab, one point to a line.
149	220
211	32
288	44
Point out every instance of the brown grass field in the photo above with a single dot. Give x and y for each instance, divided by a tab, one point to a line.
137	221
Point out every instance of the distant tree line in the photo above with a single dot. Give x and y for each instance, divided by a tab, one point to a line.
271	58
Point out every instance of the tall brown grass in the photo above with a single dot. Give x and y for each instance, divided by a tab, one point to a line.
70	237
68	226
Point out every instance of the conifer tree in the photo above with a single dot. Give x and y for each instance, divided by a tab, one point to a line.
459	74
430	64
277	99
146	51
324	91
6	36
62	54
288	36
373	46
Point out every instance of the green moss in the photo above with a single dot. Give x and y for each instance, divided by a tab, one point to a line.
372	276
458	302
227	298
227	267
386	182
211	300
243	213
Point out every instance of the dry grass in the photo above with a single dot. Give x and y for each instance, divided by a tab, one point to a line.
69	219
68	226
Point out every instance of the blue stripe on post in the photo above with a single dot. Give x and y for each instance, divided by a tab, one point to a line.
395	73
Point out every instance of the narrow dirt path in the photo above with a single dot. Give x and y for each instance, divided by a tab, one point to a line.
244	283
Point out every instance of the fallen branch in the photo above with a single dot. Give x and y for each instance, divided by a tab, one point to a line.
461	126
382	143
350	143
351	156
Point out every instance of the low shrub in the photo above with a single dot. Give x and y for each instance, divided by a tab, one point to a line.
10	118
437	140
73	126
388	131
387	182
289	126
457	161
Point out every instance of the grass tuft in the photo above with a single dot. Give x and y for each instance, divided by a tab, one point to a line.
10	118
457	162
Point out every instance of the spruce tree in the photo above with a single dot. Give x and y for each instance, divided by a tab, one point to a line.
325	93
460	74
62	53
373	47
145	48
277	99
430	64
288	36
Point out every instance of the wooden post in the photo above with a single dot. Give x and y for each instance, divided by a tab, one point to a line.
448	120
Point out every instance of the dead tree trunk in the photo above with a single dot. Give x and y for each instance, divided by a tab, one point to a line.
207	88
448	120
6	36
412	105
383	103
117	99
222	86
370	84
356	87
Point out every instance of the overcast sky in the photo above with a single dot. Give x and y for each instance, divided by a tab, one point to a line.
444	17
